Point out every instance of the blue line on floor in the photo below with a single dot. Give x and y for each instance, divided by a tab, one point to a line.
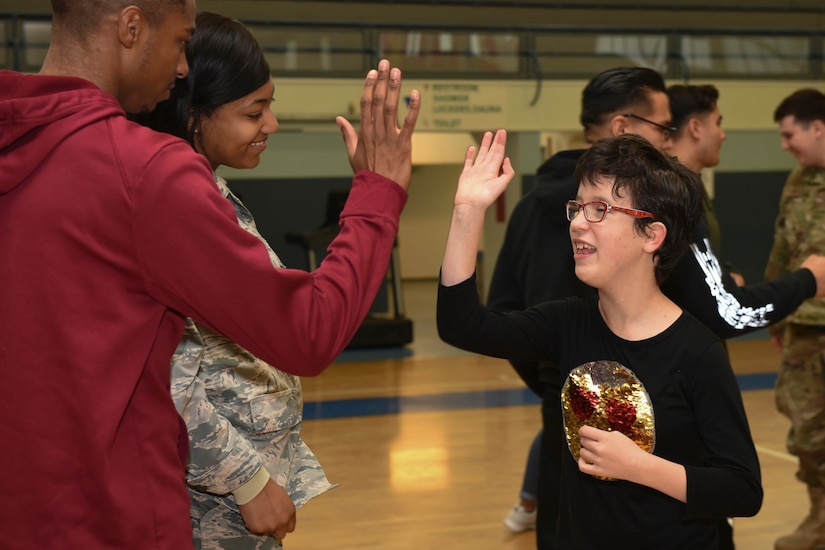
418	403
759	381
344	408
373	354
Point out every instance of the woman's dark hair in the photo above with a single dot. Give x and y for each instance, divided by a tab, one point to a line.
225	64
654	183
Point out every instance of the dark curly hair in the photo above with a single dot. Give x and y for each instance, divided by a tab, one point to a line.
654	183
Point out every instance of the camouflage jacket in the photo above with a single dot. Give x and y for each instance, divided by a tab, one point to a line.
242	414
798	233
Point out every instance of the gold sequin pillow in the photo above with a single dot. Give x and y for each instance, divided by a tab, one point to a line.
608	396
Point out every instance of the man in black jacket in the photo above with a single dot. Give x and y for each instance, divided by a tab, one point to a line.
535	263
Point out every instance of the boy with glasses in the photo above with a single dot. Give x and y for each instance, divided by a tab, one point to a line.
658	443
535	265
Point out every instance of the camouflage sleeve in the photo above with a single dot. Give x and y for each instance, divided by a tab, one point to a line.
779	258
220	459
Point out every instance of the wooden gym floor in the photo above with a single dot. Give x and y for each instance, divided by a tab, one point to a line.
428	445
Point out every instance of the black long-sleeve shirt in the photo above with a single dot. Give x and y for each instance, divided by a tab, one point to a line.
698	415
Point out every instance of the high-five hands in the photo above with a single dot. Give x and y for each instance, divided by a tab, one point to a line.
379	145
486	174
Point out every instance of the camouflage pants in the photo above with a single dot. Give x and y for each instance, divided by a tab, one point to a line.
800	395
218	526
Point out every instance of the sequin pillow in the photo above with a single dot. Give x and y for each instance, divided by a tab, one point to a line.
608	396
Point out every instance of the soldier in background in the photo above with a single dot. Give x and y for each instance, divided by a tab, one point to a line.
799	231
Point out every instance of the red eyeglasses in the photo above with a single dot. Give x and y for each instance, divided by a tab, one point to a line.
595	211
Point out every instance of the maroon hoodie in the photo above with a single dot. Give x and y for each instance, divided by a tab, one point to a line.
109	235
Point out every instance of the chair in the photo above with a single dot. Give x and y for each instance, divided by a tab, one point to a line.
388	329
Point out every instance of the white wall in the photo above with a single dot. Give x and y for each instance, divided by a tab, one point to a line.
310	145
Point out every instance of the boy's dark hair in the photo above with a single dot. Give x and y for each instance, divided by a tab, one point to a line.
805	105
619	89
686	101
225	64
654	183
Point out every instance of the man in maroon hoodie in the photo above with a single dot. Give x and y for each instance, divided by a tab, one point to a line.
97	258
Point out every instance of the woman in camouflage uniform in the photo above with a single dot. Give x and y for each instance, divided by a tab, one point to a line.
247	460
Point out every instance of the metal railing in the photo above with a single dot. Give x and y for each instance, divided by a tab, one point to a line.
346	50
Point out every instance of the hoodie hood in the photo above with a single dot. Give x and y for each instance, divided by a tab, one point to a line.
560	166
37	113
554	183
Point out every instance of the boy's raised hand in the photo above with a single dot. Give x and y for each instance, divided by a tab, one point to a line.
486	174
